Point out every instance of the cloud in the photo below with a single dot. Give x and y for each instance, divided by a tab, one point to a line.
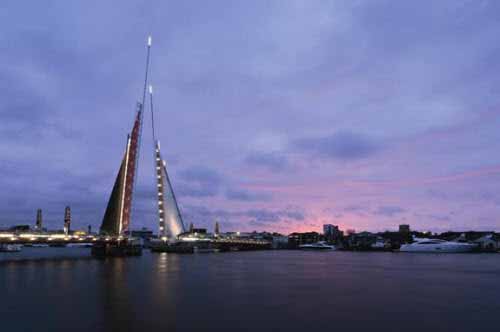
273	161
236	219
201	174
271	216
246	195
343	145
389	211
199	181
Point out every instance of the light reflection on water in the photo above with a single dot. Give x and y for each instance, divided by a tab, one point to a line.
265	291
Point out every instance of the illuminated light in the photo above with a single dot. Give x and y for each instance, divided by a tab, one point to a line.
150	89
160	202
120	225
58	236
159	176
50	239
158	159
33	238
161	219
150	40
164	163
161	211
158	168
159	185
164	238
6	235
13	239
159	194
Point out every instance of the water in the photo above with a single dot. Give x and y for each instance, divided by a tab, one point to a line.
249	291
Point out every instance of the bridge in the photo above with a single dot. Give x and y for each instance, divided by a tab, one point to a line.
47	238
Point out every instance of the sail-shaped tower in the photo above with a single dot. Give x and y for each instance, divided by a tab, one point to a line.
169	216
116	220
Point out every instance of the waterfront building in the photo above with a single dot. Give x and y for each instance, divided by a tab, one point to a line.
489	242
217	229
67	220
297	239
404	229
143	233
20	228
362	241
38	224
332	233
279	241
199	231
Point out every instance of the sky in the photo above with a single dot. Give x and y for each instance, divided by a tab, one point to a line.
272	115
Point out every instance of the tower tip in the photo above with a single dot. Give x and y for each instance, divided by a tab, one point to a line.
149	41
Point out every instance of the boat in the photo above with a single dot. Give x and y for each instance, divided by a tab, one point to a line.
10	247
321	245
437	246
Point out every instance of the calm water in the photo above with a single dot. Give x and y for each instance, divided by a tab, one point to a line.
249	291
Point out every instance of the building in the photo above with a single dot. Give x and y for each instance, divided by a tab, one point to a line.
404	229
20	228
297	239
143	233
362	241
67	220
332	233
489	242
279	241
217	229
38	224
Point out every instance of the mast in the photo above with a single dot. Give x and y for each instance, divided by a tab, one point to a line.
140	107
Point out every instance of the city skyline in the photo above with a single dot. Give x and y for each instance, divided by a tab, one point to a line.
270	117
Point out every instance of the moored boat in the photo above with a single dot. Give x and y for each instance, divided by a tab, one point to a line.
321	245
437	246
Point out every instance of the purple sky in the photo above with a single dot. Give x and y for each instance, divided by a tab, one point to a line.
272	115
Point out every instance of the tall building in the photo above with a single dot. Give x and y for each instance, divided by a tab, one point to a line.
38	225
217	230
404	229
332	233
67	220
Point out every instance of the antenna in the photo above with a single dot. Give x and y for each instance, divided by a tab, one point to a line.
152	114
147	70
